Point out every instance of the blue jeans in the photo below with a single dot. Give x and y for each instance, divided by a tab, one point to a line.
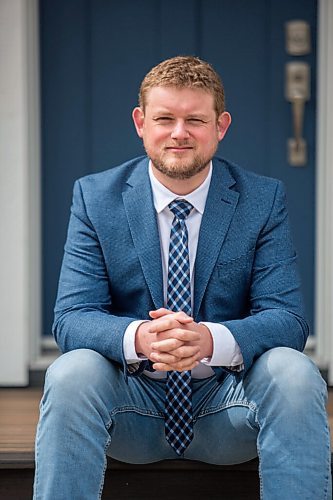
277	413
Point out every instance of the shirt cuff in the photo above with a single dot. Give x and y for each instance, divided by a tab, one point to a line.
130	354
226	351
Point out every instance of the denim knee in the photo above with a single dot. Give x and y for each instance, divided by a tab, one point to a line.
76	374
292	373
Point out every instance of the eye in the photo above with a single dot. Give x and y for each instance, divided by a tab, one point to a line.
196	121
163	119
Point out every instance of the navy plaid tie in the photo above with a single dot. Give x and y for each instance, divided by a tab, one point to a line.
178	402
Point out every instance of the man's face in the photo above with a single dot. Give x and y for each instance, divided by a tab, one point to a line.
180	130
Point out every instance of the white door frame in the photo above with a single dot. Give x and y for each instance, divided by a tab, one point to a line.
20	208
324	192
20	191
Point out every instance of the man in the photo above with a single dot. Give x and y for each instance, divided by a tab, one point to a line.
179	313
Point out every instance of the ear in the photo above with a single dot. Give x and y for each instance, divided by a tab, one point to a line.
138	119
223	123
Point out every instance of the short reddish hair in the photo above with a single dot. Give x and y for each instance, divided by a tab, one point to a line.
184	72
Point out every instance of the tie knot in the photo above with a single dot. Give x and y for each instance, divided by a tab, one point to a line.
180	208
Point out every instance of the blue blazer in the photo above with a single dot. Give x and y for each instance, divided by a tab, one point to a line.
245	269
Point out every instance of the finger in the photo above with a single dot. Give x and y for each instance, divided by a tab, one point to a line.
164	358
157	313
180	315
176	348
165	323
177	364
185	363
164	367
177	333
174	362
185	351
167	345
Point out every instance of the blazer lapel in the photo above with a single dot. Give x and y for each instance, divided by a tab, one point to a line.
219	210
141	215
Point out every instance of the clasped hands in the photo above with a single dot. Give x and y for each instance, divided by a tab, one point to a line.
173	341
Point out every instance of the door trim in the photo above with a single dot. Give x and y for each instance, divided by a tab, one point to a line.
324	191
20	255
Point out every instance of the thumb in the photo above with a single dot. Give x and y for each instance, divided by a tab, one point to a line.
158	313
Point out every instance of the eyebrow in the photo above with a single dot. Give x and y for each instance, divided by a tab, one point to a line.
200	116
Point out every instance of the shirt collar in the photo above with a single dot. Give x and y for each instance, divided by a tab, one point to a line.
162	196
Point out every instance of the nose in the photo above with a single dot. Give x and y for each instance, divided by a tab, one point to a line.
179	130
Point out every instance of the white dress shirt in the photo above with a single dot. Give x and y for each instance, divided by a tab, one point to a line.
226	351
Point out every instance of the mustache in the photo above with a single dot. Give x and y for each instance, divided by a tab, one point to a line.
179	144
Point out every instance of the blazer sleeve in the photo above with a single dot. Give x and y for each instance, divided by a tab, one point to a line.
276	307
83	317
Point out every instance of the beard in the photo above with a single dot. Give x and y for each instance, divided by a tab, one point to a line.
178	168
